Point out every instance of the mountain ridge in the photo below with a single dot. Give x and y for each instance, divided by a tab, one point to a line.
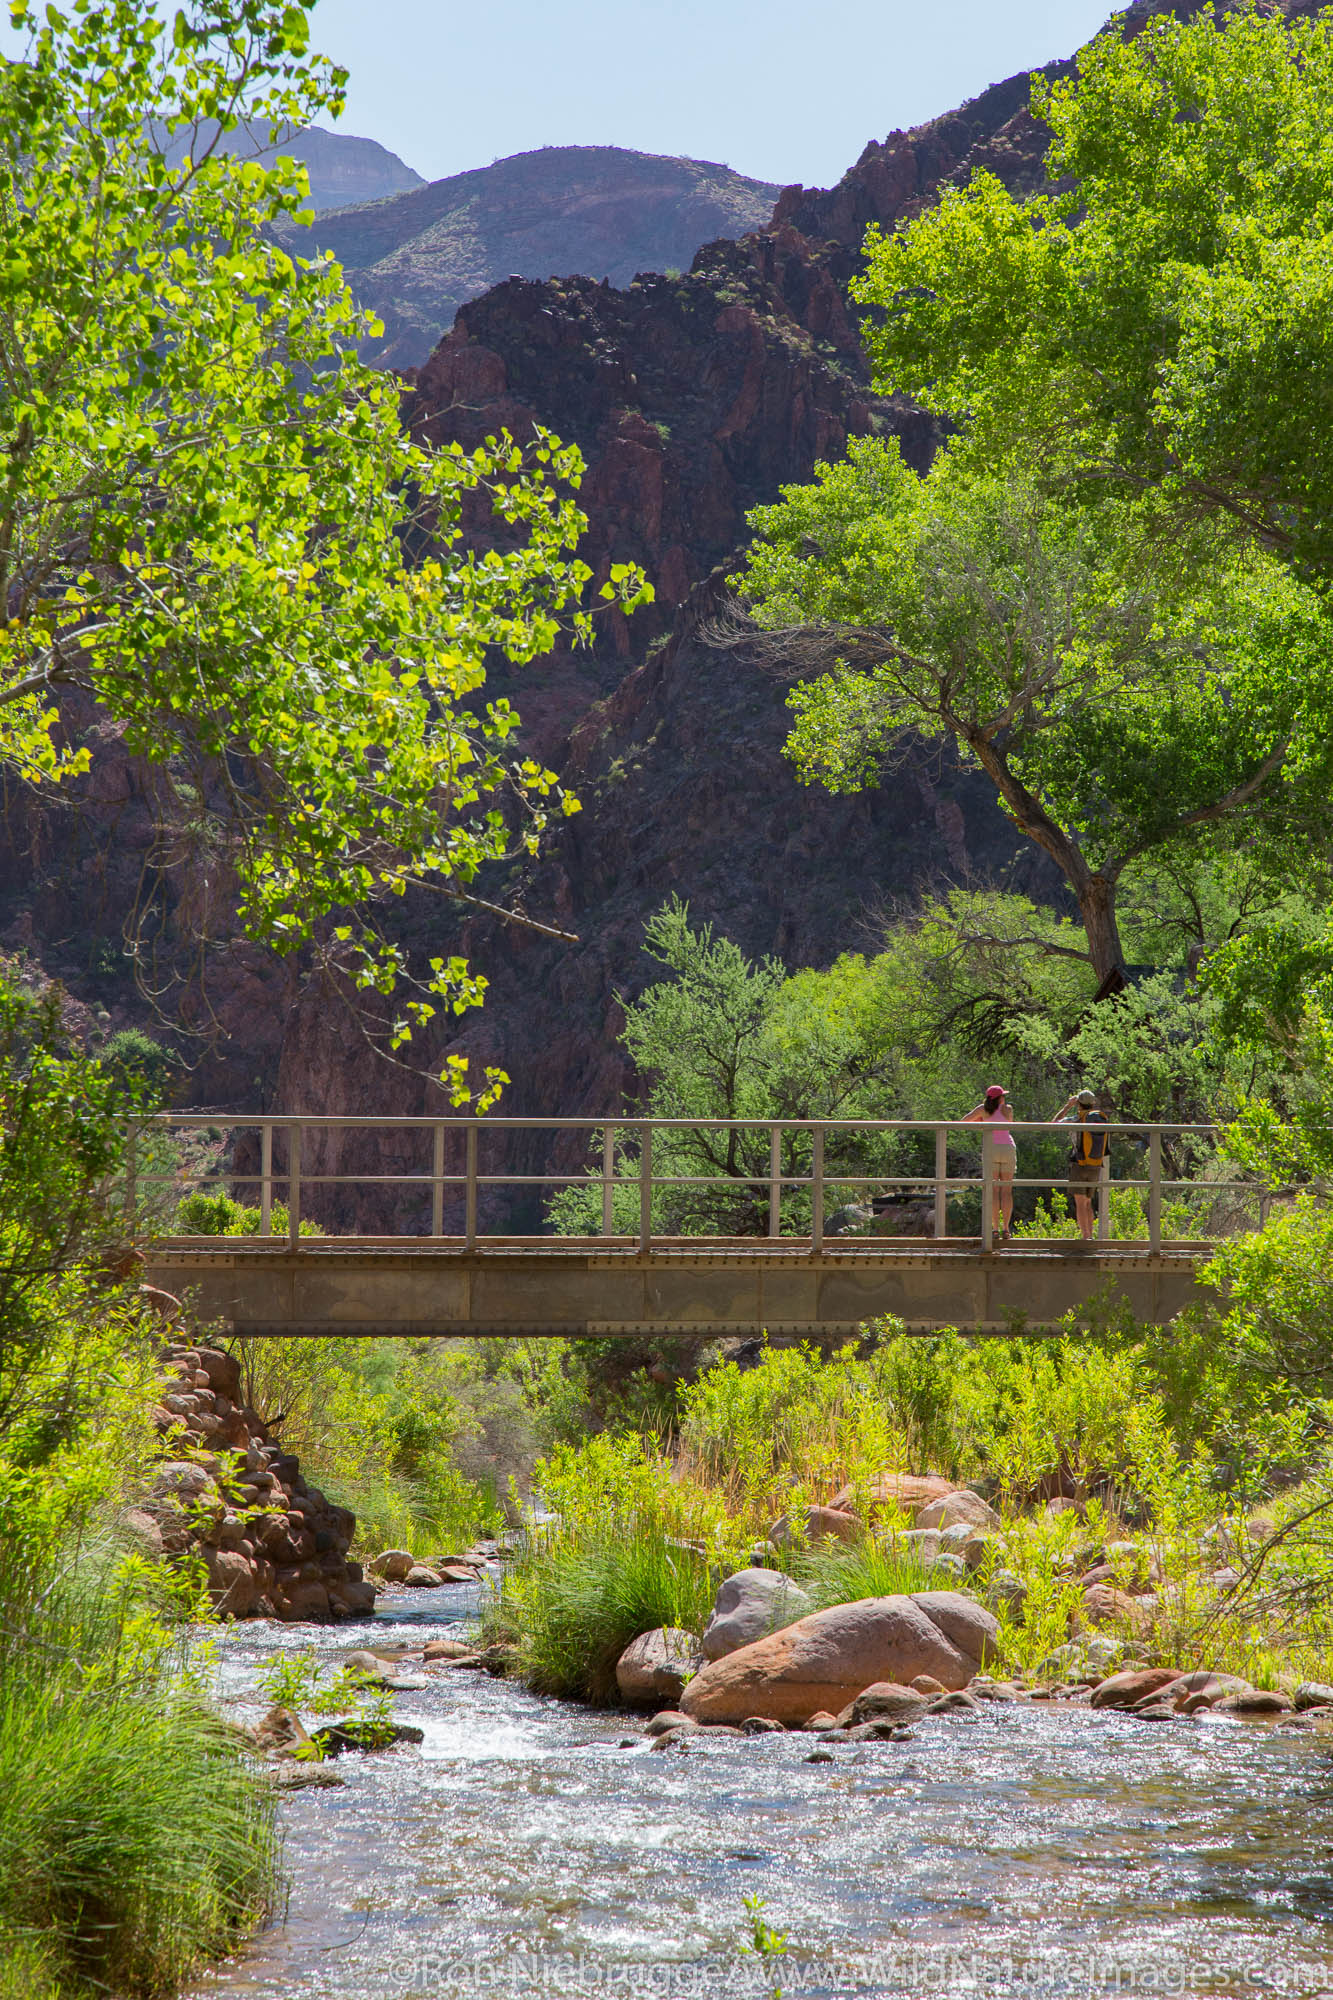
602	211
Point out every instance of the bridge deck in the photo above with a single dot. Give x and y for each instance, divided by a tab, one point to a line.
580	1286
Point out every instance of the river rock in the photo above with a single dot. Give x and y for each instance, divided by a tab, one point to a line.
421	1578
816	1524
927	1684
1255	1704
447	1649
668	1719
1203	1689
956	1702
1313	1694
954	1508
394	1565
820	1720
281	1733
289	1777
337	1737
141	1528
1134	1685
1104	1605
748	1606
884	1701
923	1543
1008	1590
272	1546
655	1666
826	1660
911	1491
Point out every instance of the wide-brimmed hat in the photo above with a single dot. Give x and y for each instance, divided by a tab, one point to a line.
1087	1097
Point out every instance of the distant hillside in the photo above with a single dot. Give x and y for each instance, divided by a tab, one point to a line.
342	169
599	211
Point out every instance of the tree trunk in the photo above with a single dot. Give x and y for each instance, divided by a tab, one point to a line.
1095	889
1096	904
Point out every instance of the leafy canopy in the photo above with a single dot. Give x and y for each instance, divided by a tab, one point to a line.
205	498
1120	685
1167	320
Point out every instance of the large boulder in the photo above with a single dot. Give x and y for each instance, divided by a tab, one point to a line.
909	1490
1104	1605
816	1524
953	1508
826	1660
655	1667
748	1606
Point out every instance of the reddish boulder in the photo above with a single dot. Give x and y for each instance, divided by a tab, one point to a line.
1104	1605
956	1508
817	1524
826	1660
1123	1690
656	1666
909	1490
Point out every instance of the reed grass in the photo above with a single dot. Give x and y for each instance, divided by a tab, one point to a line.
576	1596
136	1837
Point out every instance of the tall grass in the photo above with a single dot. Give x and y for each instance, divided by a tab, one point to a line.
843	1573
136	1837
576	1596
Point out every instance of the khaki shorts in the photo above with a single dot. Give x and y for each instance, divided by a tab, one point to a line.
1084	1176
1002	1163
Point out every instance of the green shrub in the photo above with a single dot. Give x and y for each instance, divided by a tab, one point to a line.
218	1214
131	1054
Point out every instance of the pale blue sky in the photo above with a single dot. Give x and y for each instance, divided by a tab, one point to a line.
786	90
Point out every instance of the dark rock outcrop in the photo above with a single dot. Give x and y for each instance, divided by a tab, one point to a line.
601	210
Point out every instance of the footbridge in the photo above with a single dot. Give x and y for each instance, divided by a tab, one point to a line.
831	1223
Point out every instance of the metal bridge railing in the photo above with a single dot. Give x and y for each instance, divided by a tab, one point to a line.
287	1177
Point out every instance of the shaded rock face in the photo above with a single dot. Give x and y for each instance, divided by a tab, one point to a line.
827	1660
604	211
272	1546
686	792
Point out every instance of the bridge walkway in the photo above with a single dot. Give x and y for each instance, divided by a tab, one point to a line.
800	1278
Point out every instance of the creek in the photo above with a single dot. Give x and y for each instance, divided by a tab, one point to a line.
1045	1849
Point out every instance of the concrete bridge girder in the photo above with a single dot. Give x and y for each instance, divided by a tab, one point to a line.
581	1288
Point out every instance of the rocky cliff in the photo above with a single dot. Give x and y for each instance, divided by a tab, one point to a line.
600	210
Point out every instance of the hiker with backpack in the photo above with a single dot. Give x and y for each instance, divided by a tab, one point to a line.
1086	1155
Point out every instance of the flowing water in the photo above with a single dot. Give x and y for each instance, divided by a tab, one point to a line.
1042	1850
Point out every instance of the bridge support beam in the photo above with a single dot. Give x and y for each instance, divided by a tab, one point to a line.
585	1287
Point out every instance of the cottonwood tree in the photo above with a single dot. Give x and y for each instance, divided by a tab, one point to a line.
205	497
1122	683
1165	321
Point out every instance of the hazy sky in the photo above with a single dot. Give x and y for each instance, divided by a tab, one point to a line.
786	90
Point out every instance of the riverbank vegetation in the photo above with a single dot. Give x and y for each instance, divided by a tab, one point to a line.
136	1839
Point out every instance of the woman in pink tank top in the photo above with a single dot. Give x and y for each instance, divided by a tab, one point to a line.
995	1112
